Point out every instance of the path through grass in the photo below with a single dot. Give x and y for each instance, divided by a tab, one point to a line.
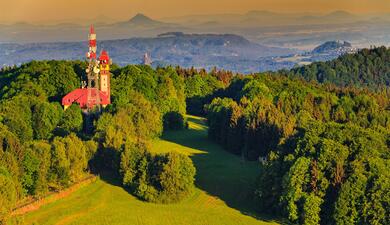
221	197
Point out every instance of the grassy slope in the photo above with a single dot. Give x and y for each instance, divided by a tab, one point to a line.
221	196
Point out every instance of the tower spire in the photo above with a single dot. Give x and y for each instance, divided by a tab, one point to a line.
96	92
92	43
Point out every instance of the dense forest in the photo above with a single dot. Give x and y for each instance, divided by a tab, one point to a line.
368	68
322	149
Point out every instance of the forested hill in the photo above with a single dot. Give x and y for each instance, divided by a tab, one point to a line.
367	68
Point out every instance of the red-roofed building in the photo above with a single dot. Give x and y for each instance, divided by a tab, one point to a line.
97	92
80	96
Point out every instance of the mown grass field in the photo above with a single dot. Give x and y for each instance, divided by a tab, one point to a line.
222	195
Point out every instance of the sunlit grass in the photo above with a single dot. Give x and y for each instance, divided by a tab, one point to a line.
221	197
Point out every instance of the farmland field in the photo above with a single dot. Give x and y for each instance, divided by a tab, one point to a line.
221	197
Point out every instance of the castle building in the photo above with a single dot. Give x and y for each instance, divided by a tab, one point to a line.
97	92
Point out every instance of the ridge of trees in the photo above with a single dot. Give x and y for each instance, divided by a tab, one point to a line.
324	150
367	68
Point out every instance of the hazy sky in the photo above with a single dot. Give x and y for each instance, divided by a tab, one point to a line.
47	10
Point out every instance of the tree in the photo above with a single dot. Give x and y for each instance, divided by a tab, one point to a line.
160	178
176	177
349	200
173	121
46	117
131	158
295	186
8	194
42	150
72	121
69	160
311	209
30	171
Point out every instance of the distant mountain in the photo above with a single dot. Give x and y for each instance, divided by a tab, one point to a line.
302	31
335	17
255	13
142	20
340	15
226	51
330	46
325	52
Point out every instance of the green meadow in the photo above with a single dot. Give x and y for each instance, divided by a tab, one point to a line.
222	194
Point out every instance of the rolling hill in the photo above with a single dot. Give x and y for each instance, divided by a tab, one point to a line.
291	30
226	51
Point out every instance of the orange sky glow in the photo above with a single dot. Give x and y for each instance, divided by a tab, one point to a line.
51	10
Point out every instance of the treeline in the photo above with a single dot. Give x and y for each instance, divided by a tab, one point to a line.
254	113
324	150
202	86
367	68
43	148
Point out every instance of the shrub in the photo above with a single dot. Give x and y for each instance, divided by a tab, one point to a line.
162	178
173	121
176	177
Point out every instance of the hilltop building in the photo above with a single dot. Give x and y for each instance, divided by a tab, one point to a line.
96	93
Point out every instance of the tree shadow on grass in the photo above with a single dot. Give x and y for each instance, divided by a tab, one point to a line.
219	173
112	178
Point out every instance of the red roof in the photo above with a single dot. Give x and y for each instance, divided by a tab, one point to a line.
104	56
80	96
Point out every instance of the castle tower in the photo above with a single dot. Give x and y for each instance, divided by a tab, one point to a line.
105	62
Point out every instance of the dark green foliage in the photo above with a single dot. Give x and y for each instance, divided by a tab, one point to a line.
69	161
262	111
16	114
137	122
72	121
200	87
175	176
46	117
56	78
173	121
11	154
162	87
161	178
249	128
367	68
330	175
8	194
42	151
30	171
323	149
